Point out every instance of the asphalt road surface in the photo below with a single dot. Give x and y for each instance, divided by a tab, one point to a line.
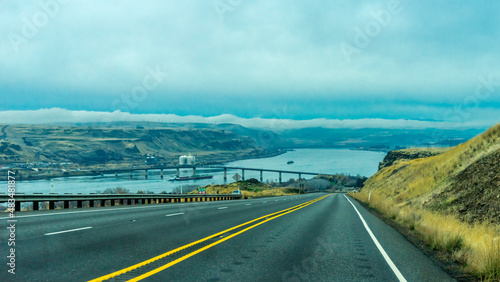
314	237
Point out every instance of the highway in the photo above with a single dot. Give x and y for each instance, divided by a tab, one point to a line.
313	237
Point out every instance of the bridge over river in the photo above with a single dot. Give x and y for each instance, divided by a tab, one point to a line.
194	167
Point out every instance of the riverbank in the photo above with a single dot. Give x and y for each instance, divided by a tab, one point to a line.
76	170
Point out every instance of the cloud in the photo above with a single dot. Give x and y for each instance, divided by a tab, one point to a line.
57	116
89	53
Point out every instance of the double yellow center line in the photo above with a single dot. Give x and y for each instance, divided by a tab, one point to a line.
262	220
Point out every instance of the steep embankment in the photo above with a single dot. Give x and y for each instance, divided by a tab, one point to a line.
451	200
409	154
87	145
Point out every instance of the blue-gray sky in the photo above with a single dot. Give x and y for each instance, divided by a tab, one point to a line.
412	60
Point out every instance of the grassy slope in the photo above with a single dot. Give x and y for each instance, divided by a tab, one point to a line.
250	190
422	195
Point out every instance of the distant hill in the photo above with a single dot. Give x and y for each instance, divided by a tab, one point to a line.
365	138
376	138
98	144
262	138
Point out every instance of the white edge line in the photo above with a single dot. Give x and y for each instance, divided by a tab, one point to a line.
248	204
66	231
174	214
221	208
380	248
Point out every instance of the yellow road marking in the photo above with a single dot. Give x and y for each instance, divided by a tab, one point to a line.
135	266
161	268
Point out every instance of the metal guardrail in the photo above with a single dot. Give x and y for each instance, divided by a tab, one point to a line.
124	199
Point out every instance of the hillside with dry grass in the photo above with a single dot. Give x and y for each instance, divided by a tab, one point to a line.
450	200
250	188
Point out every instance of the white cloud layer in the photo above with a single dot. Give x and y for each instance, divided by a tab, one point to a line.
58	115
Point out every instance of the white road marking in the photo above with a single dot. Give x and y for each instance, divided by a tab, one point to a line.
248	204
174	214
221	208
66	231
380	248
264	202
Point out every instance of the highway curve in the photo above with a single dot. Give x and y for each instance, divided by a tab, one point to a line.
314	237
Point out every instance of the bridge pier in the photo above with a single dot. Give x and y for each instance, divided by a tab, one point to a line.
51	205
225	175
79	204
36	206
261	178
243	174
300	176
91	204
66	204
280	177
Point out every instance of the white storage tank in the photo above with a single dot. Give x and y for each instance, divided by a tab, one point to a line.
190	160
183	160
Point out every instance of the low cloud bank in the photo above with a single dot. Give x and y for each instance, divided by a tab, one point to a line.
58	115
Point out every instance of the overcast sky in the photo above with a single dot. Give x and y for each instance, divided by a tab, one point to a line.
434	61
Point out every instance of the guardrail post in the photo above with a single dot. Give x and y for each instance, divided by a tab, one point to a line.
79	204
36	205
66	204
91	203
51	205
17	206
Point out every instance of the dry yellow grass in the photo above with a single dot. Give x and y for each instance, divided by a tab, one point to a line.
264	191
401	190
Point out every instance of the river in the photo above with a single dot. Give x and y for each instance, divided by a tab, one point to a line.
328	161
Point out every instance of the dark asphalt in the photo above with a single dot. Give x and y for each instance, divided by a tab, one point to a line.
324	241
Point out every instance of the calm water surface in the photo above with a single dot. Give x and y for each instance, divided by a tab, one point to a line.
329	161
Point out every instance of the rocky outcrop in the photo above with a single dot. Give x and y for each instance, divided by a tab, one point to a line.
409	154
